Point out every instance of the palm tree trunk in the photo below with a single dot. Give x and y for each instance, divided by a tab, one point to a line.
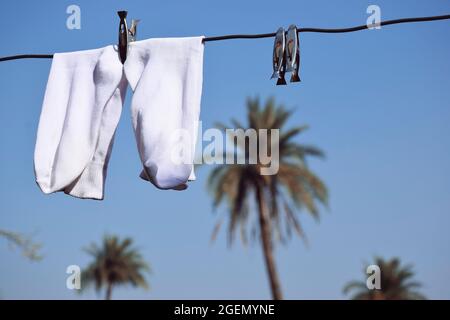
109	292
266	239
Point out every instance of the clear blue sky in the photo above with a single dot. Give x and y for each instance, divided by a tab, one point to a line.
378	103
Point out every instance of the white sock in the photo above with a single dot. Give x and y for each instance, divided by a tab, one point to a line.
80	113
166	77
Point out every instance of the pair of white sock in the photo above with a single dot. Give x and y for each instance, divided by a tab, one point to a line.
83	103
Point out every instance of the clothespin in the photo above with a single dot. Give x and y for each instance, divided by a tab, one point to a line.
293	53
125	35
133	30
279	57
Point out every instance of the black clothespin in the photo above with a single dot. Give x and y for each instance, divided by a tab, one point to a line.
293	53
126	35
279	57
123	35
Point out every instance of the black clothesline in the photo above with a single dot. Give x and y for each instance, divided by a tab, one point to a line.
268	35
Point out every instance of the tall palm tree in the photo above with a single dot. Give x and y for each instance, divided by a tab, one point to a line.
396	283
276	195
115	263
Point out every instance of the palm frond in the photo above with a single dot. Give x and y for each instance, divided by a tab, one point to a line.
216	230
294	221
289	134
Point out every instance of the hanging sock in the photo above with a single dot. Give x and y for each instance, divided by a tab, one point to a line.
166	78
83	103
80	113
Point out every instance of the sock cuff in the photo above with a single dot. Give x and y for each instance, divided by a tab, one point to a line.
90	184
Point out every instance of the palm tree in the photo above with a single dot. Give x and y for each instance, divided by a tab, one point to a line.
275	195
30	249
115	263
396	283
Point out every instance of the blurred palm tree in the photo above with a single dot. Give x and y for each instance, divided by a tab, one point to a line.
115	263
275	195
30	249
396	283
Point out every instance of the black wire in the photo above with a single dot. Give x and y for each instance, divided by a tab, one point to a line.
320	30
268	35
383	23
25	56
